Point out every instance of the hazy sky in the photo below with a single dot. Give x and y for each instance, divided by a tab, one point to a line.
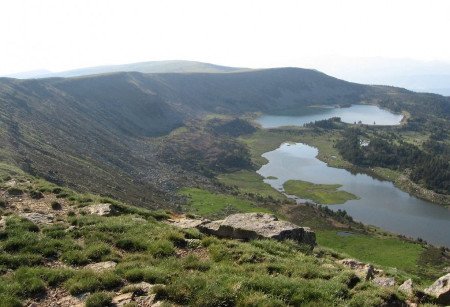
60	35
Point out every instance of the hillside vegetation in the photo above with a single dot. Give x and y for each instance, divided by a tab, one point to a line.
59	260
103	133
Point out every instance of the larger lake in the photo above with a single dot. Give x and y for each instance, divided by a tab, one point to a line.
365	114
380	204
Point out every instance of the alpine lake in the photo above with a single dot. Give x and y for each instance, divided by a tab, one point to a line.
367	199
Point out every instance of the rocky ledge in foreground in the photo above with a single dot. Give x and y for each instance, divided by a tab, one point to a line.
440	289
250	226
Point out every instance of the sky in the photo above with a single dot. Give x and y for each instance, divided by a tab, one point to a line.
60	35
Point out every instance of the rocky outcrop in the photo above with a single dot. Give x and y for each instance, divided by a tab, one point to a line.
123	299
362	270
440	289
101	266
248	226
38	218
407	287
384	281
101	209
185	222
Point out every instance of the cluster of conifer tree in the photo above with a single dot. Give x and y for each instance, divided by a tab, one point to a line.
429	165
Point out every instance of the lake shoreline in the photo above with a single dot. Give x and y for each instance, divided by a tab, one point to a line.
379	202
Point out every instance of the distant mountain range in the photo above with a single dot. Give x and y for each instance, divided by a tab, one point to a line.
420	76
142	67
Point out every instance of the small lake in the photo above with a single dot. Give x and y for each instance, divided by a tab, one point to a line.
369	115
380	204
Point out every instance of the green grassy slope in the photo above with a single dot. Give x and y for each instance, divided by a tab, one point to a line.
37	261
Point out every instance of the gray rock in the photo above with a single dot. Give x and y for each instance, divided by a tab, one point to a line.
440	289
38	218
101	209
384	281
362	270
70	228
146	301
185	223
2	221
407	287
122	299
142	287
101	266
249	226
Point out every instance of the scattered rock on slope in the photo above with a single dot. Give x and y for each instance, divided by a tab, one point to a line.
362	270
440	289
248	226
101	266
407	287
384	281
187	222
101	209
38	218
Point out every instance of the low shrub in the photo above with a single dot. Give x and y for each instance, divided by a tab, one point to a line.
36	194
96	251
56	205
87	281
9	301
75	257
99	299
161	248
131	245
15	191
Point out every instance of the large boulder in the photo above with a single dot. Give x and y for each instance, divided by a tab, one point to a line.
249	226
440	289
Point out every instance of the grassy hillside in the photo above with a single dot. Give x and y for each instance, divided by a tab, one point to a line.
43	263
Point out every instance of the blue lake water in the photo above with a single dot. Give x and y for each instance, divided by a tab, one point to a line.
380	204
366	114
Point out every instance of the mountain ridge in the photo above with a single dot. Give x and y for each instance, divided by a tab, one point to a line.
169	66
85	131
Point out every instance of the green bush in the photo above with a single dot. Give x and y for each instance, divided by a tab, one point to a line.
15	191
259	299
7	300
96	251
161	248
176	238
192	262
88	281
36	194
75	257
56	205
20	242
57	190
131	244
28	283
15	261
99	299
